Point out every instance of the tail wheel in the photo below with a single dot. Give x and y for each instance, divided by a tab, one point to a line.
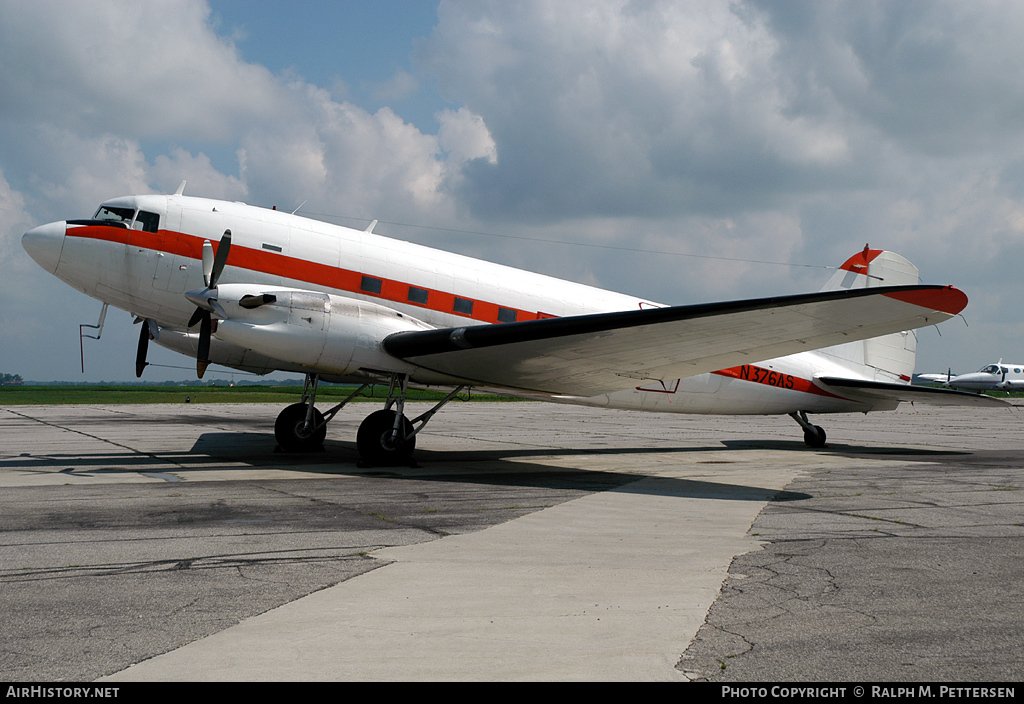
814	437
374	439
291	432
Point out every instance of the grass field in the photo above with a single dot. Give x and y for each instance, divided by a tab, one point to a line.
110	395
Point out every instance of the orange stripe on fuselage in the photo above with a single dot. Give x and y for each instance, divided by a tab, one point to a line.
769	377
265	262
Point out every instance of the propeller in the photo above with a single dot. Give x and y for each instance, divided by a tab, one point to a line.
213	266
140	356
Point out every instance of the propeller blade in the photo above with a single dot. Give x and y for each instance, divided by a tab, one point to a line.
140	355
196	317
203	353
207	262
221	259
213	266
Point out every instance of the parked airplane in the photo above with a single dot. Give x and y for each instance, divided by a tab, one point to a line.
274	291
999	376
932	378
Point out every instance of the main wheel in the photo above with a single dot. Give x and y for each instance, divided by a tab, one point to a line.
815	438
292	434
374	439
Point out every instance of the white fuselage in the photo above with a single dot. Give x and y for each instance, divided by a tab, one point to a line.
148	267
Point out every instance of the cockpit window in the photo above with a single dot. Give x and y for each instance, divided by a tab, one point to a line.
148	222
992	369
108	213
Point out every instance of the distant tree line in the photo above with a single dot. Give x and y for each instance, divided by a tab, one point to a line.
10	379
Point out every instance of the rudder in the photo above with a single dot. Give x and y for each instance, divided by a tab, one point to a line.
887	358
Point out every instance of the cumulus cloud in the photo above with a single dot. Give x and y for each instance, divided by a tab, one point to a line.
105	74
169	170
939	77
400	86
149	69
341	156
14	220
617	107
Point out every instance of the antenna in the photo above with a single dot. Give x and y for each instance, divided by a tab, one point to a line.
82	334
181	188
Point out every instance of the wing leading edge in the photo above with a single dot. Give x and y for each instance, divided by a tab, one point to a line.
587	355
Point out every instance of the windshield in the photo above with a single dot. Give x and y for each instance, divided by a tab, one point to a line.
115	215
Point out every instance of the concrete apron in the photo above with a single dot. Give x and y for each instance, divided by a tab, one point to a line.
610	586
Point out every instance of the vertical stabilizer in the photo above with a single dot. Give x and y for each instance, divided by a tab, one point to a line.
888	358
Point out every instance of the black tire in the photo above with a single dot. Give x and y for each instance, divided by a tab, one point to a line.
373	440
815	438
290	430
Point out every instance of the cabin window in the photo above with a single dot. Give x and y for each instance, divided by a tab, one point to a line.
463	306
506	315
370	284
418	295
147	222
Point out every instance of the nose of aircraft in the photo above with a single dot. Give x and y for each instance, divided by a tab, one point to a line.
44	244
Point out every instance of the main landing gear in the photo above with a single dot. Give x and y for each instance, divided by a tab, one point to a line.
814	435
385	437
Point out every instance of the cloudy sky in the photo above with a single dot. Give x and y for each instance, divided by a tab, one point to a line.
680	151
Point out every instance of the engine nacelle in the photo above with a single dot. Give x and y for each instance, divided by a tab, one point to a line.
334	334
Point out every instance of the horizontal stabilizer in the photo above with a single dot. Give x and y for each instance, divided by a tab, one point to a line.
930	395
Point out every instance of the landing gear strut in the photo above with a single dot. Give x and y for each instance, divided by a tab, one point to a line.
301	427
385	437
814	435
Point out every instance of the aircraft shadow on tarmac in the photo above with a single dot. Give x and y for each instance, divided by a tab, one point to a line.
499	467
220	451
844	449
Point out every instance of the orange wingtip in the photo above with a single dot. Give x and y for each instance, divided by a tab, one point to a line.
947	300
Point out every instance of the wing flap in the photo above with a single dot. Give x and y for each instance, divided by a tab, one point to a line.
588	355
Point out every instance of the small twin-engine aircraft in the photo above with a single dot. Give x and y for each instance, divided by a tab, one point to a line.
991	377
261	290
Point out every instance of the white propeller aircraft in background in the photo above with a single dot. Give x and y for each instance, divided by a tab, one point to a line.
270	291
991	377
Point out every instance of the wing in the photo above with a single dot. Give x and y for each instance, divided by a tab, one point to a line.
588	355
904	392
